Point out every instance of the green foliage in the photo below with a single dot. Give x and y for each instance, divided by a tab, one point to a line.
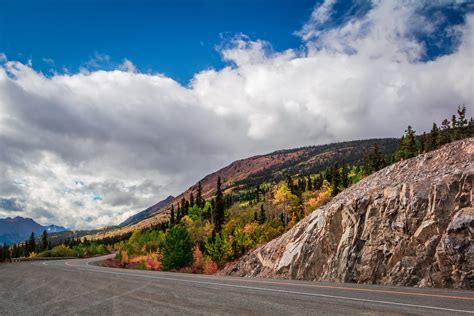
177	249
58	251
408	145
219	248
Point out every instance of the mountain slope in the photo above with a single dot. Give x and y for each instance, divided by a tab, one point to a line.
267	168
13	230
147	212
411	223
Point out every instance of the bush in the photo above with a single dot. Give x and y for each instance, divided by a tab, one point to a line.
177	249
58	251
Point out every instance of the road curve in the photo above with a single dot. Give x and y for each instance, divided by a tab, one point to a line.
80	287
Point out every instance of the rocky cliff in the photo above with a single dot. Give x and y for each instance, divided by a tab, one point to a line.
411	223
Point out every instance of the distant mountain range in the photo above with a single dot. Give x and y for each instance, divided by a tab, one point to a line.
16	229
147	212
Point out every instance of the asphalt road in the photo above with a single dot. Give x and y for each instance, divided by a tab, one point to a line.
80	288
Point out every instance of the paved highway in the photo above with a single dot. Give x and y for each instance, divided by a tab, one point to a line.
80	288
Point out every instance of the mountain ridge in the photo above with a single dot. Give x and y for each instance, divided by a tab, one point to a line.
18	228
271	167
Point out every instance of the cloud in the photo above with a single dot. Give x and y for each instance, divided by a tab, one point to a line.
92	148
10	205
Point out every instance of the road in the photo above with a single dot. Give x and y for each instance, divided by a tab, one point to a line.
79	287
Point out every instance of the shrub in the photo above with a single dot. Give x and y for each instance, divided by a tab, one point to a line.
58	251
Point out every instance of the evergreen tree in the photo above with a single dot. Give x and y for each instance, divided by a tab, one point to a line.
434	138
318	182
444	136
32	243
335	180
262	217
191	200
309	184
219	209
461	122
408	147
255	216
289	183
44	240
373	160
172	219
199	199
177	248
344	177
423	139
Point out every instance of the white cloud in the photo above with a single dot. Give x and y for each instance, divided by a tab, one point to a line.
132	138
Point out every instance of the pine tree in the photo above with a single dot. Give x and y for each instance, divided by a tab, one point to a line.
44	240
423	139
289	183
262	217
219	210
408	147
318	182
373	160
335	180
172	219
199	199
344	177
32	243
444	133
462	120
434	138
309	186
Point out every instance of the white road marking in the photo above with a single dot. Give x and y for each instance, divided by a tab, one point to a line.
273	290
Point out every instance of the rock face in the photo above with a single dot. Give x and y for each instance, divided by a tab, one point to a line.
410	224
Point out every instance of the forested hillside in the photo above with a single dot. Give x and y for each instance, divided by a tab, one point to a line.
243	206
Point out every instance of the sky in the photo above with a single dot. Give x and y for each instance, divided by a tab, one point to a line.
107	107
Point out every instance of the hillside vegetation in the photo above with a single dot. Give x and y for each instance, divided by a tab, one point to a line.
208	231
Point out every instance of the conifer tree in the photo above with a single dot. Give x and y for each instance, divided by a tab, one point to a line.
219	209
408	147
32	243
444	133
309	184
423	139
289	183
199	199
335	177
44	240
434	138
344	177
191	200
373	160
172	219
262	217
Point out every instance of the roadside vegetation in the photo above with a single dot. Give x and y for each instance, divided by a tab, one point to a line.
202	236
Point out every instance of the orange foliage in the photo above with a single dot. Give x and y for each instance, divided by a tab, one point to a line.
209	266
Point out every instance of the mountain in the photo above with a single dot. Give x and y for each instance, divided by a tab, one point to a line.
147	212
271	167
409	224
13	230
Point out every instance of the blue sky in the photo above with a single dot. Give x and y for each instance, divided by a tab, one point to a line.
106	121
177	38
